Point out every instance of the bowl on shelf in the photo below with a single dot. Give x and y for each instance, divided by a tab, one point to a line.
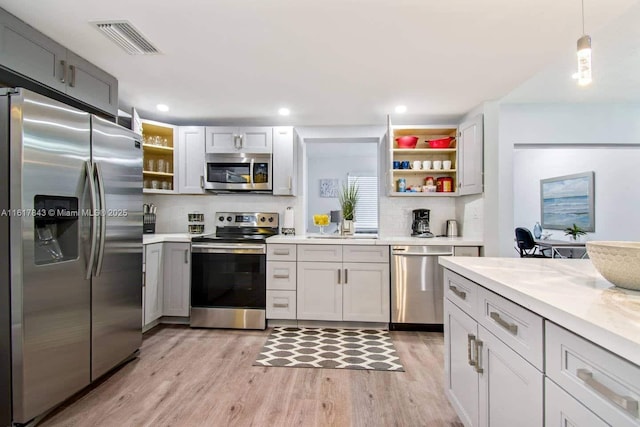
618	262
407	141
440	143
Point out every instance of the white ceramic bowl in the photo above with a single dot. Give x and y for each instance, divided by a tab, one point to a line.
618	262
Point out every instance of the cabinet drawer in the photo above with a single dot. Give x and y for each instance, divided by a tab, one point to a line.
602	381
324	253
365	253
461	291
466	251
518	327
562	410
281	304
281	252
281	275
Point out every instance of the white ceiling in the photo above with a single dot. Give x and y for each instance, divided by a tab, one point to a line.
616	69
332	62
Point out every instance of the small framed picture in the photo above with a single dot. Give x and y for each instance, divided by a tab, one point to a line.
329	187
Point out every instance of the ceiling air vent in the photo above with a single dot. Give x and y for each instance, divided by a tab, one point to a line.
127	37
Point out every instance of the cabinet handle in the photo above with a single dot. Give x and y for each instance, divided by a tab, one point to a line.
186	256
241	141
625	402
201	181
278	305
63	64
500	321
72	68
470	339
339	279
281	252
346	276
461	294
478	364
281	276
235	141
290	182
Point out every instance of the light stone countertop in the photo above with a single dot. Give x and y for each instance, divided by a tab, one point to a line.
570	293
363	240
167	237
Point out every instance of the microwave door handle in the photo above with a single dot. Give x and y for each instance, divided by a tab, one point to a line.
251	171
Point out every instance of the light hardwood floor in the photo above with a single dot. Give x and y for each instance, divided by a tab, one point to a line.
204	377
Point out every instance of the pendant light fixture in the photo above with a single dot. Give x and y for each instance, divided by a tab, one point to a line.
584	56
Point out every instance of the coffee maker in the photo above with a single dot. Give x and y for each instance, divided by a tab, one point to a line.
420	224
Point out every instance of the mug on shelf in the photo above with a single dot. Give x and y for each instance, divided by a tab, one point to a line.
446	164
155	184
417	164
404	164
396	164
437	164
426	165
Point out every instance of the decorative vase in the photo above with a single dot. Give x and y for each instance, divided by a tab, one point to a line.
537	230
347	228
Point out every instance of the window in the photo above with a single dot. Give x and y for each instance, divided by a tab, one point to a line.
366	216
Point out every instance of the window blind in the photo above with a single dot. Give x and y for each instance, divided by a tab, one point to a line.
366	215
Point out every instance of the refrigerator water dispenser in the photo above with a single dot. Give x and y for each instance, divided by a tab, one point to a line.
55	229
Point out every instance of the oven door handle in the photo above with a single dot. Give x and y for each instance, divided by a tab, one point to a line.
228	249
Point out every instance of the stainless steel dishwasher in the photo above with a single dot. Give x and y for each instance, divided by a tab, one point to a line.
416	286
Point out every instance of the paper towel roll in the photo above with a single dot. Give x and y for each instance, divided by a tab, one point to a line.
288	218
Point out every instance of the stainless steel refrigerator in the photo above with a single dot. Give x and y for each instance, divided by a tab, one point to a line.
70	251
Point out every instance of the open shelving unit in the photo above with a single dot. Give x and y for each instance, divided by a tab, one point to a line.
416	178
152	131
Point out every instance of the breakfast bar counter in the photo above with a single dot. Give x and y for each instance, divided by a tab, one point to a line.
570	293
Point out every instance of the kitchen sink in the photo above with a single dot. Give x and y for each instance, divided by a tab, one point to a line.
337	236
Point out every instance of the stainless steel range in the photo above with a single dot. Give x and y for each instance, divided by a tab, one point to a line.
228	272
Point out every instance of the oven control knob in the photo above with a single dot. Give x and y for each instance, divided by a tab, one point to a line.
229	218
220	218
270	219
262	219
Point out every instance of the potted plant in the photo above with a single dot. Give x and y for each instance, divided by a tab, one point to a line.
574	232
348	198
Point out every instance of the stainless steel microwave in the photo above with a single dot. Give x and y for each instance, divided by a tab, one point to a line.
238	172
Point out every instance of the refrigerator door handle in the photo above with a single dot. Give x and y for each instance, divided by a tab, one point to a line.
103	218
89	169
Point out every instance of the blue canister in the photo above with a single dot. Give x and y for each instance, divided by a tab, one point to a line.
396	164
402	185
404	164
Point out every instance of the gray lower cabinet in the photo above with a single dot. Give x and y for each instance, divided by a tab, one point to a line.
167	279
153	285
176	279
487	382
562	410
333	283
26	51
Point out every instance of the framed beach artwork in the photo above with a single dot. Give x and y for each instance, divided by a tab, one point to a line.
567	200
329	187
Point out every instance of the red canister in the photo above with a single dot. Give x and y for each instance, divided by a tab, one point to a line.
444	185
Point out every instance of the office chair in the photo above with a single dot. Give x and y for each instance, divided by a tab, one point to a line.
527	247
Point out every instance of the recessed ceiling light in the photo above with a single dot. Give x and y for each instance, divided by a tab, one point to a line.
162	107
284	111
401	109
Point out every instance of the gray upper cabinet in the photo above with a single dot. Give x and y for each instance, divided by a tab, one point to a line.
283	161
191	159
224	139
26	51
91	85
30	53
470	149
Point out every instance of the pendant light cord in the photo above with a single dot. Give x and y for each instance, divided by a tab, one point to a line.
582	17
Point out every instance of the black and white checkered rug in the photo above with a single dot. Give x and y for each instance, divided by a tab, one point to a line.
330	348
